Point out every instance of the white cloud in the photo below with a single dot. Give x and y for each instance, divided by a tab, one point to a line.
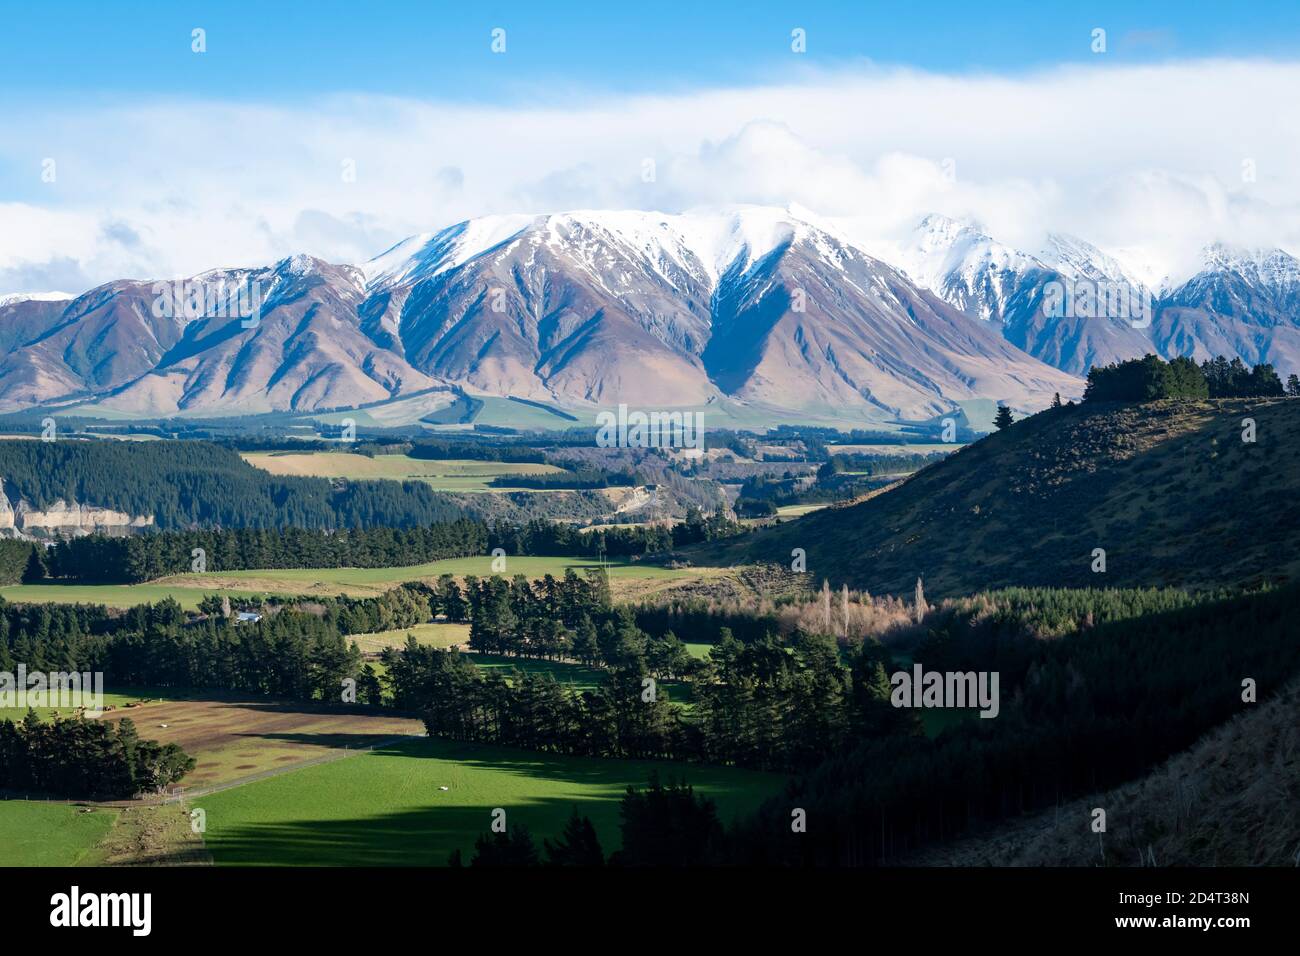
1147	161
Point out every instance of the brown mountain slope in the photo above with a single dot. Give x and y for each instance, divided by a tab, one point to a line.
820	324
1169	490
306	351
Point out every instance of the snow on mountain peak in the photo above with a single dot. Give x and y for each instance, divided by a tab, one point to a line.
1272	268
430	253
15	297
707	241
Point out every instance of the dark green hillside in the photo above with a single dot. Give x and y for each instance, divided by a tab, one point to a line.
1099	706
1168	489
1232	799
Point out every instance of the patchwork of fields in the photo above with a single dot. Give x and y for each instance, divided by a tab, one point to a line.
289	784
628	581
288	794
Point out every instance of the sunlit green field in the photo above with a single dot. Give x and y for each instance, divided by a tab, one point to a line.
113	595
796	511
35	833
449	475
189	589
438	634
480	565
386	809
111	699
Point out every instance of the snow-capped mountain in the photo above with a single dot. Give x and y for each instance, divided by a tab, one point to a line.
1242	302
965	267
755	304
15	297
763	305
1021	292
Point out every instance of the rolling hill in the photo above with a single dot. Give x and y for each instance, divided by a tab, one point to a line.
1169	490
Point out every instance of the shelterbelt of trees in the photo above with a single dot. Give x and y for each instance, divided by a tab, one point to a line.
185	484
1151	378
75	758
132	559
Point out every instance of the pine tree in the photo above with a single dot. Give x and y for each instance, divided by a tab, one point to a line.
578	845
1056	400
514	848
1293	385
1003	418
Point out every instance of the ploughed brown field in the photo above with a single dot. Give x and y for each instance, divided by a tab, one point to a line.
233	740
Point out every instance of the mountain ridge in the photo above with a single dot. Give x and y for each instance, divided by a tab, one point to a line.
591	309
762	305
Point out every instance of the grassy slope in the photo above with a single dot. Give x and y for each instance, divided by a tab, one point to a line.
1169	490
59	834
33	833
1233	799
385	808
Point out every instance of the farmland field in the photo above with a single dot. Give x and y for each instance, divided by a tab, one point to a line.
111	699
189	589
448	475
380	579
796	511
34	833
438	634
386	809
115	595
234	739
575	676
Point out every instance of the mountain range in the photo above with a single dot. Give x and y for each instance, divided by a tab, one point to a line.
759	306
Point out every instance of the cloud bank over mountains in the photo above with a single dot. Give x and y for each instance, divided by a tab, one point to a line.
1150	164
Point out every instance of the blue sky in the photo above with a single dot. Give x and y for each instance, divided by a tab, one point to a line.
336	129
425	49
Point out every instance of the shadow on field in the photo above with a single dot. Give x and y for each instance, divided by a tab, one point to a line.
426	834
423	837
